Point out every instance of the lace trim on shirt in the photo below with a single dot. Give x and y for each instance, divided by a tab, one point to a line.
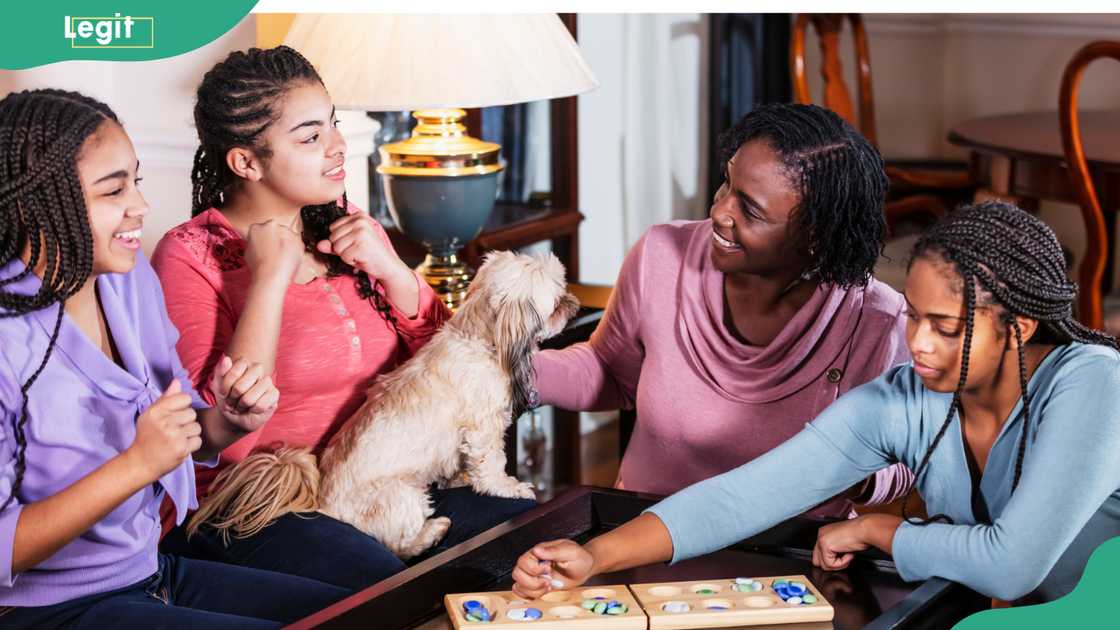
213	245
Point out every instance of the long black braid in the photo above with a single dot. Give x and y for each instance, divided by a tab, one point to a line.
42	209
237	101
840	177
1008	258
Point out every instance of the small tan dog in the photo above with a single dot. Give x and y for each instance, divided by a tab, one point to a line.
442	414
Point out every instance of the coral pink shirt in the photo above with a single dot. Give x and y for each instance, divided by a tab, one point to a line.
332	342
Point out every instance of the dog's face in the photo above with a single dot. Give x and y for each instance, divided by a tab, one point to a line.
527	294
516	301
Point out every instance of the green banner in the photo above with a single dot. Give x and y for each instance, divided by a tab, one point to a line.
1088	606
121	30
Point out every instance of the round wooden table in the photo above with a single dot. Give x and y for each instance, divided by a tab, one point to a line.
1020	156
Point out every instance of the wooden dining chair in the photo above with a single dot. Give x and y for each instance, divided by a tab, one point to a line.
829	27
1091	271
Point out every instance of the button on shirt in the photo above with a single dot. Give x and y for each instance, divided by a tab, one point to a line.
81	413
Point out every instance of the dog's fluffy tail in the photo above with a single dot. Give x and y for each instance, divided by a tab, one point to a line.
247	497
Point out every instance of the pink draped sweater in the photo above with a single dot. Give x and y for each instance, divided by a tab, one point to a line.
706	402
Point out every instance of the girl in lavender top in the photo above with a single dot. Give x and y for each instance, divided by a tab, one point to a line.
98	420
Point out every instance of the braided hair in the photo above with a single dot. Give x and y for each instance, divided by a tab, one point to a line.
238	100
1008	258
839	176
42	208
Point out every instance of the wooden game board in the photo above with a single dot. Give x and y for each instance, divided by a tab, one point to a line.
560	610
741	608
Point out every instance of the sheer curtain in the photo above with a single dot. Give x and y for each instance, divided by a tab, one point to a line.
665	121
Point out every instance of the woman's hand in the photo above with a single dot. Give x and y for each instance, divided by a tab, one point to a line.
246	397
355	239
273	252
166	433
838	543
557	564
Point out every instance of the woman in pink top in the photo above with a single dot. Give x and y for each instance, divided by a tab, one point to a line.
272	268
728	335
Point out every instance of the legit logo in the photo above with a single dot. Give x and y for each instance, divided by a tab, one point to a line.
110	32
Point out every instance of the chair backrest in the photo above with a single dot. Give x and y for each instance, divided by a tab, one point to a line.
836	97
1091	270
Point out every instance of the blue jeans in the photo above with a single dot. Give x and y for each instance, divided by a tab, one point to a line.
187	594
328	550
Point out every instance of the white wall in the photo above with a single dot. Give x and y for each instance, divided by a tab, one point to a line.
600	150
642	134
154	100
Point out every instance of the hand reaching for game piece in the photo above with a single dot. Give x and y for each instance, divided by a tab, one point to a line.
557	564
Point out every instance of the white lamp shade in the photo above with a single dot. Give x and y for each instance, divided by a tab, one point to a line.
380	62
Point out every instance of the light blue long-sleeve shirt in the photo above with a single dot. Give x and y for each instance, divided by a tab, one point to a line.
1038	539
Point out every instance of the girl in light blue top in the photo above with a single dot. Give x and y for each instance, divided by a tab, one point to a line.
1024	485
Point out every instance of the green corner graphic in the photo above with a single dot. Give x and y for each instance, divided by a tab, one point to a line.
1088	606
122	30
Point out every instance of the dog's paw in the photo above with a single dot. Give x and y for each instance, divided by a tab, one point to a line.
458	481
433	531
525	491
510	488
437	528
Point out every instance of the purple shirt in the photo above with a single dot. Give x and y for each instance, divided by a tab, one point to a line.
82	412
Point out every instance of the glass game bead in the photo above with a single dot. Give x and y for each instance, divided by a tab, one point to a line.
676	607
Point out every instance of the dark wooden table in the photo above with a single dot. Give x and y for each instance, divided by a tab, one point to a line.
868	594
1020	156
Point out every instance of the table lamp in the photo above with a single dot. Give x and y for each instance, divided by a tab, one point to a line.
441	184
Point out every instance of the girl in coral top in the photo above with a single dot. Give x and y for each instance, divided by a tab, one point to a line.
271	267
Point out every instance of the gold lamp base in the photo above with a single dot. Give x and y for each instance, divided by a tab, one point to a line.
448	276
440	185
